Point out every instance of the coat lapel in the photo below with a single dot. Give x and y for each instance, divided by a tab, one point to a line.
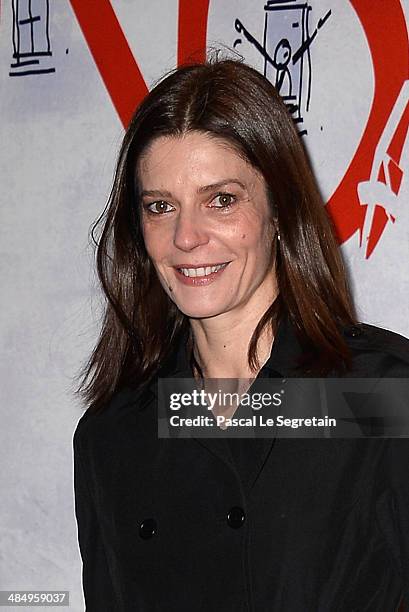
177	365
280	364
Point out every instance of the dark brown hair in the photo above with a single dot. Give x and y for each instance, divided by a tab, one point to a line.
229	100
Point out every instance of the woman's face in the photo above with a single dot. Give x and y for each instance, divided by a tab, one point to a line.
204	206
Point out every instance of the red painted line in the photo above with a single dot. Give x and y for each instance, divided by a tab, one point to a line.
387	36
396	146
192	31
112	55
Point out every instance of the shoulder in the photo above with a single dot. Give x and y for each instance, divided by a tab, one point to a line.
379	351
100	425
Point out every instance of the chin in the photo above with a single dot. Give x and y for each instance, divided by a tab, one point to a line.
199	311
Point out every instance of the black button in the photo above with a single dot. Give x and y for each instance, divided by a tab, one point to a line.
147	528
235	517
353	332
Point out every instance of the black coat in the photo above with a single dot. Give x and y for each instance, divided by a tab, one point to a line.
200	525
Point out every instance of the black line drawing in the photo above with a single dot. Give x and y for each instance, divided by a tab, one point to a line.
31	37
286	51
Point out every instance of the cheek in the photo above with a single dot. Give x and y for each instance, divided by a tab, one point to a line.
257	243
153	244
252	235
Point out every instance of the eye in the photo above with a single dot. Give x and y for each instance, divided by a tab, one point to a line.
226	200
161	207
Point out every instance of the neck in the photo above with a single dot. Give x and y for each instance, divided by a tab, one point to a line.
221	343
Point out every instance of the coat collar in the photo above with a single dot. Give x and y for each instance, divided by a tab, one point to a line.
285	351
281	363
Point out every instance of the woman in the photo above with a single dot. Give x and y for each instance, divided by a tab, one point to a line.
218	261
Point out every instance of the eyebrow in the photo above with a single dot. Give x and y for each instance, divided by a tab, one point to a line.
203	189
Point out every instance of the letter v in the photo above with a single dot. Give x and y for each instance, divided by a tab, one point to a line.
114	59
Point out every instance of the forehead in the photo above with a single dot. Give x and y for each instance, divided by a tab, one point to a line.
191	154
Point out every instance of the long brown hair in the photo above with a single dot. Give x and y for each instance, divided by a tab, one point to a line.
230	100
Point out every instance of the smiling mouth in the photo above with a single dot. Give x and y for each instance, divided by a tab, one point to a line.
202	271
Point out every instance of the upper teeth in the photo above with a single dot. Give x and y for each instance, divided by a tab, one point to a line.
201	271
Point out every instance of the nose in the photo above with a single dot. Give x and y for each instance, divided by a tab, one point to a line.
190	231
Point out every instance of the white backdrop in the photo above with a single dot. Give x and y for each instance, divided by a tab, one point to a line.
64	101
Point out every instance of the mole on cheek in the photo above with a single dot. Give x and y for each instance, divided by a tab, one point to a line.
244	235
